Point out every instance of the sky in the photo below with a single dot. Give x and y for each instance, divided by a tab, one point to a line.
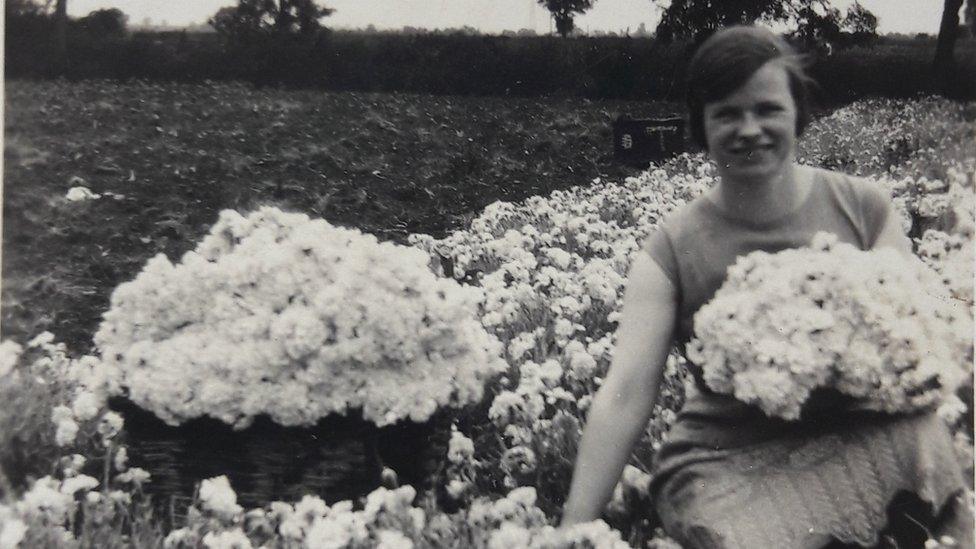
488	16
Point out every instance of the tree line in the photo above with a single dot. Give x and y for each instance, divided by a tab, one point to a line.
290	33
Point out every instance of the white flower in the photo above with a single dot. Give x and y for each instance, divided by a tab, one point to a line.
505	407
457	488
110	425
9	354
392	539
71	486
45	498
594	534
121	460
135	476
336	531
41	339
85	406
66	432
228	539
564	328
298	521
12	528
12	532
509	536
460	448
217	496
518	435
120	497
519	460
951	409
71	465
176	538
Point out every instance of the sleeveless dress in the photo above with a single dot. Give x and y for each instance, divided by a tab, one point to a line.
728	475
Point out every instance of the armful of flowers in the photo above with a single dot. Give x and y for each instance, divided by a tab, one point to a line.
877	326
279	314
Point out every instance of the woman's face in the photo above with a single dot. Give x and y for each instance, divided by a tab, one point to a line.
751	133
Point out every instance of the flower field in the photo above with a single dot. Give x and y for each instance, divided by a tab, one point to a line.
518	302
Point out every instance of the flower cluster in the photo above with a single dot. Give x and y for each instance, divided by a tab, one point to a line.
386	519
871	137
79	435
579	536
911	148
949	248
278	314
873	325
461	470
55	404
553	271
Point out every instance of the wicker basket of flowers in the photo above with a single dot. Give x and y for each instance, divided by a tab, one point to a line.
293	356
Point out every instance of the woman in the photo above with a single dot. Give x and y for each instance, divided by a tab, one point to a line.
729	476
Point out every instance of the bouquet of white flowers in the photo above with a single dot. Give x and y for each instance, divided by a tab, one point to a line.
278	314
876	326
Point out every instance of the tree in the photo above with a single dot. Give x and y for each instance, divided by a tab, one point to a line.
817	24
275	41
251	18
860	22
22	8
31	25
969	13
813	20
563	12
945	62
699	19
104	23
60	35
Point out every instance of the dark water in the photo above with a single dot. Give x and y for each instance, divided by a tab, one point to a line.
339	458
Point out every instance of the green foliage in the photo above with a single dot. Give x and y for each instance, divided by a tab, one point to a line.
816	23
860	22
16	9
563	12
27	447
606	67
904	139
274	41
250	19
811	21
104	23
888	67
701	18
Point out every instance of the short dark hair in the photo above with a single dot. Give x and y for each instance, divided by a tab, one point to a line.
725	61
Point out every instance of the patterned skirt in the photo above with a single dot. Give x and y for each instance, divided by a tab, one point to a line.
730	477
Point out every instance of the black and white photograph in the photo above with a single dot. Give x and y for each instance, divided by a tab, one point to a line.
488	274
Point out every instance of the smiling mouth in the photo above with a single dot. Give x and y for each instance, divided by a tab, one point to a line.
749	152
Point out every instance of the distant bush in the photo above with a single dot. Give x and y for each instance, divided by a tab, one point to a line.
892	67
606	67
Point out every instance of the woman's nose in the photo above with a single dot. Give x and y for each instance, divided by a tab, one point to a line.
749	126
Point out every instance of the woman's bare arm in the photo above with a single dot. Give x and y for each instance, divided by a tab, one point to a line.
891	234
623	404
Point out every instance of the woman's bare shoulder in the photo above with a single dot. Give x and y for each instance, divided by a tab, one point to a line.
687	215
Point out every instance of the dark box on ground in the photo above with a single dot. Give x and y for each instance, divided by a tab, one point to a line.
641	141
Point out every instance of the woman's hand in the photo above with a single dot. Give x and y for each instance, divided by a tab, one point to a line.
623	404
891	235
